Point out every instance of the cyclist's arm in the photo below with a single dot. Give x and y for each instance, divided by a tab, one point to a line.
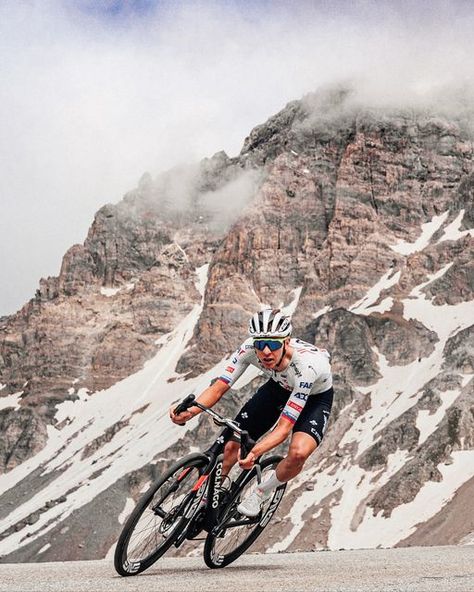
235	366
238	362
285	424
274	438
208	397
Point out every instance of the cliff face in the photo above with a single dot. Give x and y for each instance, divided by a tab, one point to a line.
131	282
359	222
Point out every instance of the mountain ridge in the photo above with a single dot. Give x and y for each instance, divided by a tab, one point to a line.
361	222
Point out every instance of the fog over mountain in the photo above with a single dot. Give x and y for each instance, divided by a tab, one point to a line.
95	94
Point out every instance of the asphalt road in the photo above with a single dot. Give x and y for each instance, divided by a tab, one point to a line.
423	569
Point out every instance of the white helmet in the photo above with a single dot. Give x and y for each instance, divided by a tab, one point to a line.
270	323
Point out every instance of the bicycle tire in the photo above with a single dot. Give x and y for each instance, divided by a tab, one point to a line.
158	531
215	555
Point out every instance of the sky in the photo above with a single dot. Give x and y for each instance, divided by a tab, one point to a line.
96	92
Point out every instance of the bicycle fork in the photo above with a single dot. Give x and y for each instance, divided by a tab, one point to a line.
196	498
209	482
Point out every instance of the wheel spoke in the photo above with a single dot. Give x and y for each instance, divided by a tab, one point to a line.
153	525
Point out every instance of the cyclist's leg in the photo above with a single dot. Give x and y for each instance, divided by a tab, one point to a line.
308	433
301	447
231	452
257	416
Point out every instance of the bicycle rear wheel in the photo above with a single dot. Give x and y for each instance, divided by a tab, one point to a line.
157	519
235	533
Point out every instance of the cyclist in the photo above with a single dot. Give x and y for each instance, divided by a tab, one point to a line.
297	398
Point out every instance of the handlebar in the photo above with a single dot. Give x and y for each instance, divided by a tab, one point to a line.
184	405
246	442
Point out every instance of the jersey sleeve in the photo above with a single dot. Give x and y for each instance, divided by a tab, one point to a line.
297	400
236	365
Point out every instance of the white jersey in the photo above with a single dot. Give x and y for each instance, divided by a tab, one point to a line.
307	374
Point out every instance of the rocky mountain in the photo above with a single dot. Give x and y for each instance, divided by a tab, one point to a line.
357	220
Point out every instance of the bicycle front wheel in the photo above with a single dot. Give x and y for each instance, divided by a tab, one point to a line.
158	517
235	533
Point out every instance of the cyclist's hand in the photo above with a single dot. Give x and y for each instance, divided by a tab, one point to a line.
248	461
180	419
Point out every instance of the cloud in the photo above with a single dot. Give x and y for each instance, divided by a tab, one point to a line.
95	93
215	191
226	202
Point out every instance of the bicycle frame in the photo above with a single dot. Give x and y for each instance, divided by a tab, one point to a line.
210	481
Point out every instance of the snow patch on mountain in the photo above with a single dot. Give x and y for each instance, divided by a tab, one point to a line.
427	231
321	312
452	231
11	401
109	292
366	304
427	422
127	510
290	308
405	517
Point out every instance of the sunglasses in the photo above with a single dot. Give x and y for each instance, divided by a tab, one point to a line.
272	344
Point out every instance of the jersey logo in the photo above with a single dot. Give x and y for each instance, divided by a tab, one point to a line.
302	396
229	369
325	418
306	385
294	405
296	370
306	346
234	360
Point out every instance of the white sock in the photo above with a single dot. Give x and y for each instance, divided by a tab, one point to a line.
271	483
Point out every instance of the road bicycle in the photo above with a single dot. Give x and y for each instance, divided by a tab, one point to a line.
189	498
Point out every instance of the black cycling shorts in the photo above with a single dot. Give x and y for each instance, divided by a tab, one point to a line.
263	410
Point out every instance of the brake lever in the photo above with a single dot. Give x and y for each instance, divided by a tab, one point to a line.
246	443
184	406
